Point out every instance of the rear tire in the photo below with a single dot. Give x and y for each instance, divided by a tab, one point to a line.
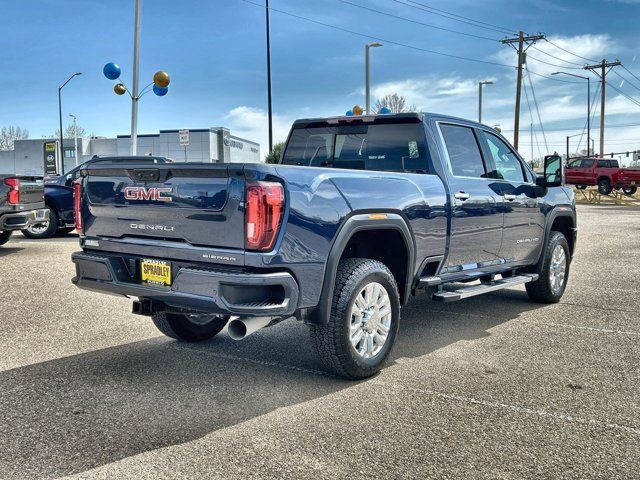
189	327
604	186
553	271
630	190
364	320
581	187
44	229
5	236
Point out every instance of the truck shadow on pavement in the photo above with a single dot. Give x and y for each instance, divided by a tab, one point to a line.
75	413
9	250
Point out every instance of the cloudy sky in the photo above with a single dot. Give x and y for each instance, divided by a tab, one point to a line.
215	53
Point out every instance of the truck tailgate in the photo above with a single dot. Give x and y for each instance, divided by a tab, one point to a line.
197	204
31	192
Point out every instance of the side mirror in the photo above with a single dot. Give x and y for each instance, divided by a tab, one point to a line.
68	180
553	171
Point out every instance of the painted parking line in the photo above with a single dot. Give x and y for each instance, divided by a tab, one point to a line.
514	408
592	329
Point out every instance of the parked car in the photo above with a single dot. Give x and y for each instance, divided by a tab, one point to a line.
21	203
604	173
58	196
360	214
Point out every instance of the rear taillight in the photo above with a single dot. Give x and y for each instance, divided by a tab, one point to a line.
14	190
263	214
77	205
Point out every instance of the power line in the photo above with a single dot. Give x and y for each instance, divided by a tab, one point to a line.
550	78
380	39
535	102
625	80
631	99
569	52
630	72
556	57
418	22
552	64
455	17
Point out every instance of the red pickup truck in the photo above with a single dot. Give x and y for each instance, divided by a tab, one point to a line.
606	174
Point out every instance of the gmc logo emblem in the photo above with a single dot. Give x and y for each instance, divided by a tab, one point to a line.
159	194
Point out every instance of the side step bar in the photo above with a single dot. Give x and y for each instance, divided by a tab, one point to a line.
473	290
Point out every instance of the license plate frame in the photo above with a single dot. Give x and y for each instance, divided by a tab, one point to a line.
157	273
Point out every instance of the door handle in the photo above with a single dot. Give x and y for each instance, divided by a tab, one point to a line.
461	196
510	197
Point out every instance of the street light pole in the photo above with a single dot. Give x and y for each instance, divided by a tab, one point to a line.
60	118
480	84
367	76
134	93
75	138
588	104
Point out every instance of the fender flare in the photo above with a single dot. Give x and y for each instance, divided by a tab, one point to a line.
352	225
557	212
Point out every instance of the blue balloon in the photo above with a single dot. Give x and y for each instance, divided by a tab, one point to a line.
160	91
385	111
111	71
349	113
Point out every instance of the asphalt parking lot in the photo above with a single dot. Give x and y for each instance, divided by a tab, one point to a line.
491	387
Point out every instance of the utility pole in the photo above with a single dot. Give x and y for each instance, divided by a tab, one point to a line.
524	42
270	110
134	93
603	75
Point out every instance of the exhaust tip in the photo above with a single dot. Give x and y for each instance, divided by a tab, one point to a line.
237	329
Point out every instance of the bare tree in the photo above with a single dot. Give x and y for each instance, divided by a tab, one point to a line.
69	133
397	103
10	134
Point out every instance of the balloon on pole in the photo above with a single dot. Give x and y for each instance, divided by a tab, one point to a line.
349	113
357	110
119	88
161	79
385	111
111	71
160	91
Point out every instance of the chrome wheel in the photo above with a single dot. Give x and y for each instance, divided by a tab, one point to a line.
557	269
370	320
38	228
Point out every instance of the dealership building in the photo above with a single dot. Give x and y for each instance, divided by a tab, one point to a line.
214	145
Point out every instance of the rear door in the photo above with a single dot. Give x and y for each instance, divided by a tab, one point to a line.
523	219
476	208
198	205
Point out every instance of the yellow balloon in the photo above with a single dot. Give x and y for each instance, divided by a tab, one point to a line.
357	110
161	79
119	88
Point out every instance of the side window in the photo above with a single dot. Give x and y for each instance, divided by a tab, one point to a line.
463	150
575	164
587	163
614	164
507	164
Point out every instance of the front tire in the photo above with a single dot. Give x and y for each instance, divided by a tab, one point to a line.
42	230
604	186
553	271
364	320
189	327
5	236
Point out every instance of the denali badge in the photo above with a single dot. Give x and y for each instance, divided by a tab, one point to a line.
148	193
142	226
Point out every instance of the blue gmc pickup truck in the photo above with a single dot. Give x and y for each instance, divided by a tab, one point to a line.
361	213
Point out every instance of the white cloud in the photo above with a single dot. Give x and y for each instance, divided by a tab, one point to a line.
252	124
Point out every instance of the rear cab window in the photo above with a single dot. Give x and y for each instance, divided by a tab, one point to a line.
463	149
395	147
